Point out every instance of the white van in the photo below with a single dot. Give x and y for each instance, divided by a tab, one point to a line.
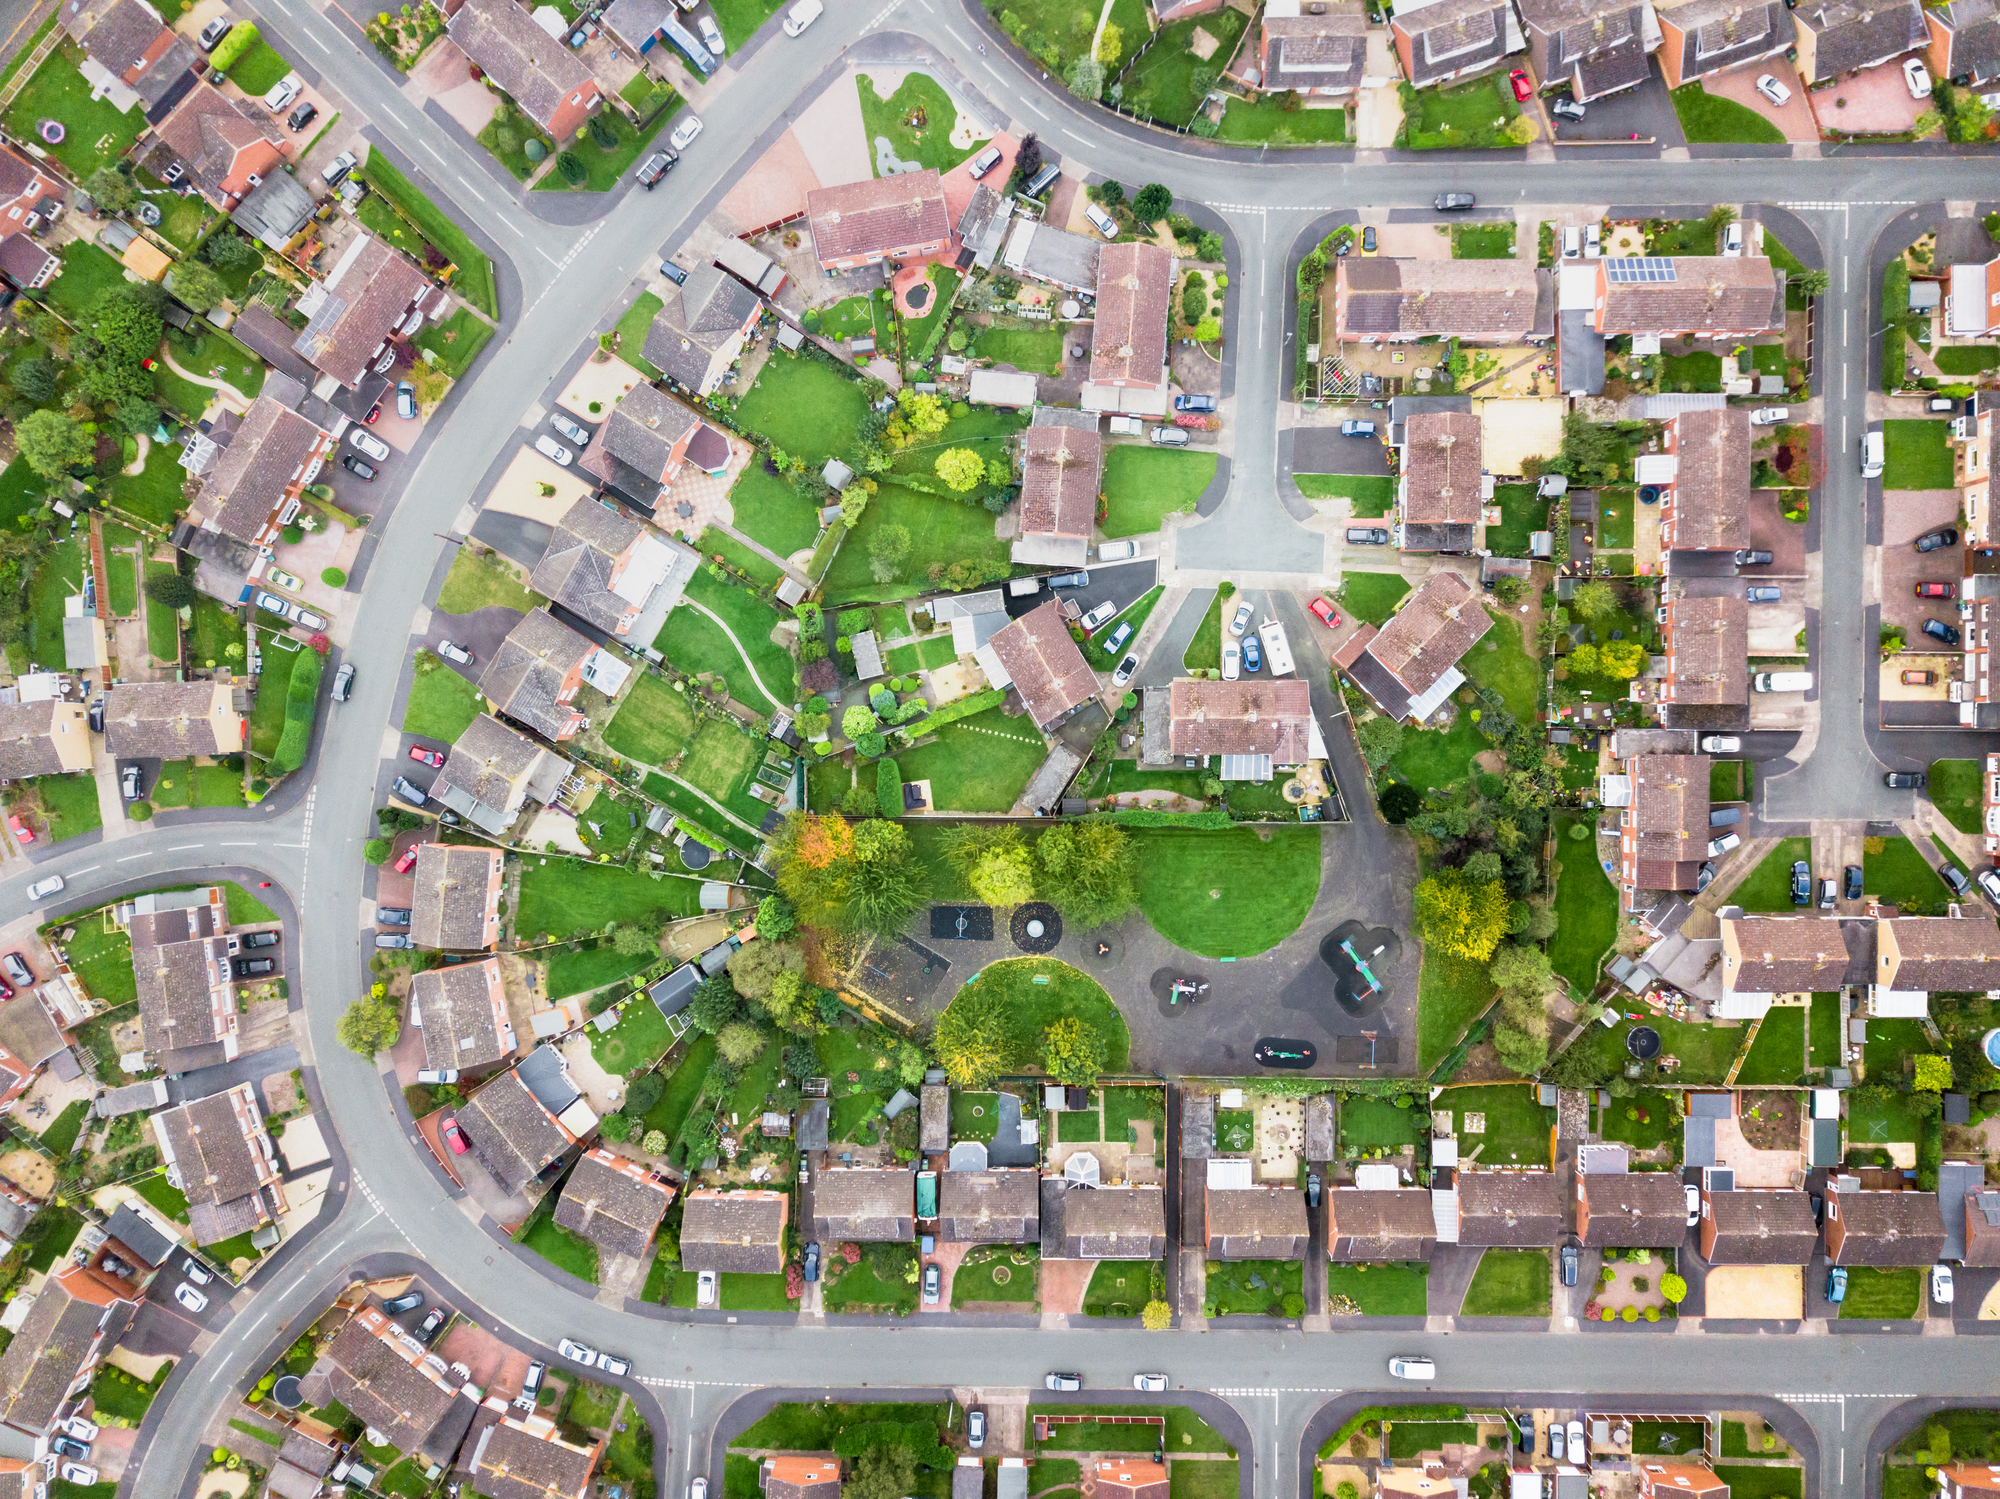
1871	455
1782	681
802	15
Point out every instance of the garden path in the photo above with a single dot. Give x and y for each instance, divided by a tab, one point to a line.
230	395
138	465
723	626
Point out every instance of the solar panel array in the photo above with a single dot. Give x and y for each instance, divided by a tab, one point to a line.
1637	268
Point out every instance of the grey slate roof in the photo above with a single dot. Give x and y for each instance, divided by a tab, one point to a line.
1452	36
50	1349
1851	34
1518	1209
740	1232
1973	31
865	1204
457	1008
990	1207
450	904
528	670
513	1135
610	1208
1719	34
696	322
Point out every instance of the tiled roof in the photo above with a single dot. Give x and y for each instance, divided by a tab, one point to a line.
1397	1224
1885	1228
54	1341
214	1157
1942	954
117	34
1436	625
1250	716
170	720
513	1135
220	139
1670	818
879	216
990	1207
270	338
696	323
1047	668
616	1204
1324	51
645	428
1114	1223
1451	36
1718	34
1440	484
1257	1223
1521	1209
865	1204
1635	1210
529	669
367	294
550	83
1708	650
1132	1478
1381	296
1129	338
181	986
802	1476
27	1032
374	1381
1711	489
458	1005
28	738
1973	27
1761	1228
1783	955
511	1462
742	1232
583	557
249	481
490	763
1703	293
1060	476
1852	34
453	904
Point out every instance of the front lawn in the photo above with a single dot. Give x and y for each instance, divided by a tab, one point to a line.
1763	1481
652	722
1382	1290
1509	1283
740	19
1966	359
1471	115
632	327
1255	1288
474	280
604	165
889	119
562	1248
1882	1295
568	898
1711	120
1162	83
259	70
979	764
1778	1056
1955	790
1918	455
1035	350
1697	371
1372	596
1768	887
1370	496
1228	893
1901	875
1514	1127
770	511
442	703
1725	780
1586	910
861	1288
1204	650
456	341
1482	241
1265	122
478	581
1143	485
999	1272
96	133
267	709
1118	1288
68	804
942	532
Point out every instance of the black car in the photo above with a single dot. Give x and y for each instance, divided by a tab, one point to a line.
392	915
1312	1189
1801	883
97	717
1953	876
1747	558
250	968
1937	629
1934	541
1570	1257
1367	536
357	467
1904	780
1368	240
303	116
214	32
654	167
1275	1051
1851	882
1704	877
1455	202
812	1263
261	939
409	1301
431	1323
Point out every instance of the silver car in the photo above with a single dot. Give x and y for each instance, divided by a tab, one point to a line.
549	448
1098	616
369	443
576	434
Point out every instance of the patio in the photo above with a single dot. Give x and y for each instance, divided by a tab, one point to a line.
597	386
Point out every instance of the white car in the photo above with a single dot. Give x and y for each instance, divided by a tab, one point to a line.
1769	416
41	889
704	1288
283	579
577	1353
1232	661
1773	90
1988	881
576	434
1240	620
283	92
369	443
190	1298
1732	240
611	1363
1918	78
80	1473
711	34
452	651
1941	1287
1098	616
83	1430
1149	1382
283	608
698	1489
307	619
1593	242
1412	1366
1693	1204
685	132
1720	744
1578	1453
549	448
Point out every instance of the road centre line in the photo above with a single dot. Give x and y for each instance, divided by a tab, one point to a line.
130	857
317	43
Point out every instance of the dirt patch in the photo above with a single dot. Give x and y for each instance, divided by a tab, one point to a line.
30	1172
1758	1293
1770	1119
1202	45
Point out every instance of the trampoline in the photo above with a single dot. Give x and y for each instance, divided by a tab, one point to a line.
1643	1042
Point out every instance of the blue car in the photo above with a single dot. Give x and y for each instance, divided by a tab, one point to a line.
1118	638
1836	1284
1253	654
1194	403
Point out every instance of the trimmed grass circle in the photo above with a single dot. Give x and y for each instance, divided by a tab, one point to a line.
1227	893
333	577
1027	1008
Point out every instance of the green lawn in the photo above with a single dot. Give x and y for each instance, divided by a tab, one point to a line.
1825	1031
1711	120
942	531
1879	1122
1698	371
1376	1123
851	317
86	269
1966	359
1431	758
474	280
1382	1290
974	1116
1036	350
652	722
1586	911
562	1248
1955	791
1471	115
1725	780
154	493
1761	1481
997	1273
917	332
1705	1051
1517	1127
1667	1438
458	339
1642	1121
101	955
979	764
604	165
260	69
907	660
1482	241
68	805
740	19
639	1039
1162	83
1778	1054
524	130
861	1289
567	897
267	709
751	619
1228	893
1502	664
1211	1480
1027	1007
1370	495
593	968
442	703
482	582
1204	651
1888	1043
1509	1283
771	511
1134	614
1372	596
61	1134
1264	122
58	575
1768	887
753	565
1522	513
1142	485
97	134
1902	875
1118	1288
915	96
1451	993
632	326
1882	1295
1918	455
1253	1288
123	566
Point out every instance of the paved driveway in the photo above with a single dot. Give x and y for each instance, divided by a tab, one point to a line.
1794	117
1646	111
1875	101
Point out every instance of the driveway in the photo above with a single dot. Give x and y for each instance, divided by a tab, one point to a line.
1323	450
1646	111
1755	1293
1875	101
1794	117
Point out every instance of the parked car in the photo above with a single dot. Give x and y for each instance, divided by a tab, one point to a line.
1557	1445
250	968
433	1077
1523	90
1125	670
454	1137
653	168
409	791
1801	883
1367	536
1313	1189
1904	780
393	942
1916	78
1750	558
1232	661
1571	1255
343	682
1937	629
408	859
1763	593
1572	243
1717	847
406	400
1721	744
684	133
1412	1366
531	1383
1773	90
1578	1453
1116	642
1567	108
1836	1284
129	783
1117	551
433	1320
19	974
281	607
1169	437
284	579
1769	416
1732	239
214	32
983	163
1101	221
303	116
1357	429
1725	817
1194	403
1368	241
1937	590
1152	1384
79	1473
1059	1381
451	650
1080	579
698	1489
1851	878
360	467
811	1263
69	1446
975	1427
1098	616
549	448
392	915
1827	891
933	1282
705	1285
1693	1196
711	34
1989	881
42	889
82	1427
574	431
1240	620
1920	679
369	443
1253	654
1704	876
581	1354
283	92
1325	613
1941	1286
1593	240
337	170
1938	540
428	756
1455	202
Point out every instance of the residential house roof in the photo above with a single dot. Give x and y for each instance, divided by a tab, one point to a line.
1882	1228
27	1032
1436	625
699	327
615	1203
131	42
608	569
878	216
492	770
1257	1223
515	1137
1972	32
1325	47
214	1146
1718	34
1114	1223
1970	1481
1131	1477
1853	34
1129	338
1760	1227
1602	38
934	1118
1250	716
1047	669
1689	294
1711	488
527	675
304	1450
1633	1210
385	1383
1375	1225
1939	953
257	472
1441	468
551	84
273	212
61	1331
866	1204
509	1461
990	1207
1061	471
1520	1209
222	141
1386	297
794	1475
171	720
741	1232
44	738
647	431
1783	955
1708	650
186	995
1670	818
1690	1479
464	1015
455	903
270	338
353	311
1450	37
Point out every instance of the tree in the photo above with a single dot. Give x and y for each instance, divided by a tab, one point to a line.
616	1128
1584	661
883	1472
642	1093
1086	78
230	252
741	1042
776	919
1673	1287
922	412
1623	659
755	967
1520	130
961	468
888	549
1151	202
1594	601
1520	969
1933	1074
1380	739
1087	870
637	942
52	443
111	189
170	591
999	473
1111	47
126	319
1522	1051
1969	116
888	788
1812	283
376	850
196	284
371	1024
1111	192
1072	1053
857	721
654	1142
813	853
886	886
1156	1316
1465	917
137	415
970	1041
34	379
793	1005
1398	803
714	1004
1004	876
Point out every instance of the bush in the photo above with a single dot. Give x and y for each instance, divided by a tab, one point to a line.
571	169
140	811
229	51
293	534
333	577
170	591
301	702
376	850
889	788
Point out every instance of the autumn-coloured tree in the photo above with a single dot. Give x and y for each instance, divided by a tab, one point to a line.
1156	1316
1464	916
1072	1052
961	468
813	853
1004	876
970	1041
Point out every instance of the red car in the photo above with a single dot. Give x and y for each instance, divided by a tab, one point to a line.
373	412
1325	613
1523	89
20	830
454	1137
409	860
1937	590
430	757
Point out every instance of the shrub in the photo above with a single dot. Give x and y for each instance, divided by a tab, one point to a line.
333	577
229	51
571	169
301	702
293	534
889	788
376	850
140	811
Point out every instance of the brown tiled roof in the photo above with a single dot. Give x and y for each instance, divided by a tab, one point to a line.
375	1382
1761	1228
615	1204
1384	297
1131	1478
28	738
514	1135
249	481
491	764
1783	955
1705	292
1440	483
802	1476
1635	1209
457	1006
1972	1480
1942	953
371	295
1708	650
511	1462
1435	626
1250	716
170	720
1380	1225
1711	490
879	216
1886	1228
455	897
1452	36
50	1349
584	554
210	132
1973	31
1047	668
990	1207
524	675
180	987
533	68
27	1032
740	1232
1061	469
1114	1223
1670	818
213	1156
1325	51
1519	1209
1257	1223
304	1450
644	429
1129	338
865	1203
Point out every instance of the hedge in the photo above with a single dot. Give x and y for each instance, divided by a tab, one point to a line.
1148	817
965	707
229	51
301	702
889	788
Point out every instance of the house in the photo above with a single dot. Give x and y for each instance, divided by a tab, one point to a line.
226	146
701	327
615	1203
1617	1208
217	1152
525	1458
535	675
1035	655
1969	1481
1437	41
514	1134
1061	475
76	1318
1598	47
982	229
456	903
647	440
43	738
1380	299
739	1232
990	1207
1837	37
1689	296
1254	1223
1313	47
275	211
30	200
1767	956
1659	1479
1663	834
1756	1227
1374	1225
463	1015
612	572
1982	1227
1972	305
1924	955
491	773
1707	648
902	217
550	83
1701	37
865	1204
1439	496
1131	1477
380	1373
1055	257
172	720
372	297
1252	717
802	1476
1410	666
132	58
186	990
1104	1223
1705	504
267	463
1510	1209
1884	1229
1128	349
1965	40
